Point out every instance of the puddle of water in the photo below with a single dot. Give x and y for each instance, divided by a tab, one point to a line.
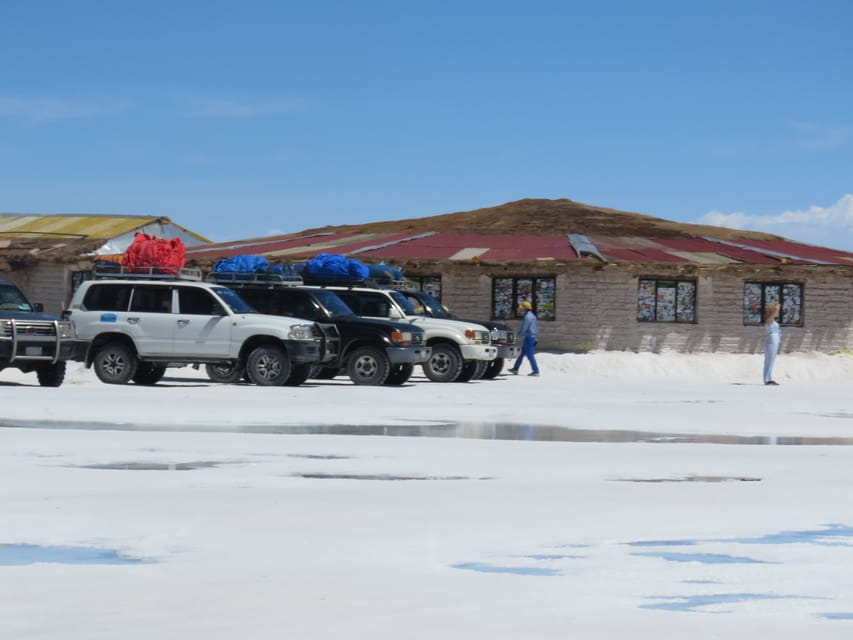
24	554
693	603
837	616
152	466
495	431
309	456
702	558
829	535
378	476
483	567
543	556
693	479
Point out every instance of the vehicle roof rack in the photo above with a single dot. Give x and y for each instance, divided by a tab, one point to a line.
369	283
136	272
246	277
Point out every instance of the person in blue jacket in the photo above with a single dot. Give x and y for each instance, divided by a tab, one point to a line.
528	333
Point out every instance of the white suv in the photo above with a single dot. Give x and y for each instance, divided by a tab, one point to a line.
137	327
459	347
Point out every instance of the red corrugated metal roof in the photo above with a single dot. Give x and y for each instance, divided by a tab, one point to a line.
494	247
521	248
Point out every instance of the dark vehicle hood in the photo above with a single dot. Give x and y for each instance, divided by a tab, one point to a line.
358	321
6	314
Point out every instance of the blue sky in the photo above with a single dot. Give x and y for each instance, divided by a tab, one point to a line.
240	119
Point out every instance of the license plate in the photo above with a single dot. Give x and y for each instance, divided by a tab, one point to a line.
32	351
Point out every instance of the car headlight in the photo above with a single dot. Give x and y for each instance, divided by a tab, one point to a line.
401	338
301	332
499	337
66	330
477	336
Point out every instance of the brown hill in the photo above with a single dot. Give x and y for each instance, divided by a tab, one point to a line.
548	217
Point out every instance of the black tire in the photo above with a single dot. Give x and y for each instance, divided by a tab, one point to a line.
469	368
225	373
268	366
493	369
325	373
51	375
400	374
299	373
115	363
149	373
445	363
368	365
480	369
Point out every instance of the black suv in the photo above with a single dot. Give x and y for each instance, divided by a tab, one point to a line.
30	340
372	352
503	337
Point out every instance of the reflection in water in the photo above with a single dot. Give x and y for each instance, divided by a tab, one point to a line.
478	430
152	466
702	558
692	603
830	535
378	476
483	567
23	554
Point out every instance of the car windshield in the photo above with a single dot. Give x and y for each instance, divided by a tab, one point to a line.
234	301
403	301
11	299
333	304
433	306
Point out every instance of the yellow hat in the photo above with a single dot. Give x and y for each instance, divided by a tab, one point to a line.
526	305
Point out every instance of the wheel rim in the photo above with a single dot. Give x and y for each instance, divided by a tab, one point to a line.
366	367
440	363
268	367
114	364
223	370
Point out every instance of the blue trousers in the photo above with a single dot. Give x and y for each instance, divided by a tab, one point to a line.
528	350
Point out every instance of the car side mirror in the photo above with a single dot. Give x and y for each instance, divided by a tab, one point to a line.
38	307
395	314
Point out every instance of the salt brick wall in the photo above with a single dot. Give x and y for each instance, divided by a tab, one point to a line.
596	308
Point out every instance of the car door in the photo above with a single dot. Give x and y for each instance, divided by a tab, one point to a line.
202	325
149	320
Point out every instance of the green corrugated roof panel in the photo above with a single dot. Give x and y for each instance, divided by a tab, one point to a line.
79	226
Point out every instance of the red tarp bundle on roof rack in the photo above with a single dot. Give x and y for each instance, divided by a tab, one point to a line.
148	251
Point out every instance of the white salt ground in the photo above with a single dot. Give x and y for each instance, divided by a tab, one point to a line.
271	535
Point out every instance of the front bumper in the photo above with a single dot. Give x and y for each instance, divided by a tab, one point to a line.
34	351
508	351
408	355
478	351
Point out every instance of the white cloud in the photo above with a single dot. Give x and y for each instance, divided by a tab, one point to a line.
817	137
221	108
830	226
49	109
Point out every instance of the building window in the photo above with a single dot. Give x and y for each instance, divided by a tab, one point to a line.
758	295
427	284
666	300
508	293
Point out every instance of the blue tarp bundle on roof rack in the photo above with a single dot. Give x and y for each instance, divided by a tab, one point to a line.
242	264
384	274
330	267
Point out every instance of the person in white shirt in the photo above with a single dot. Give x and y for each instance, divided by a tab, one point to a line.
771	343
